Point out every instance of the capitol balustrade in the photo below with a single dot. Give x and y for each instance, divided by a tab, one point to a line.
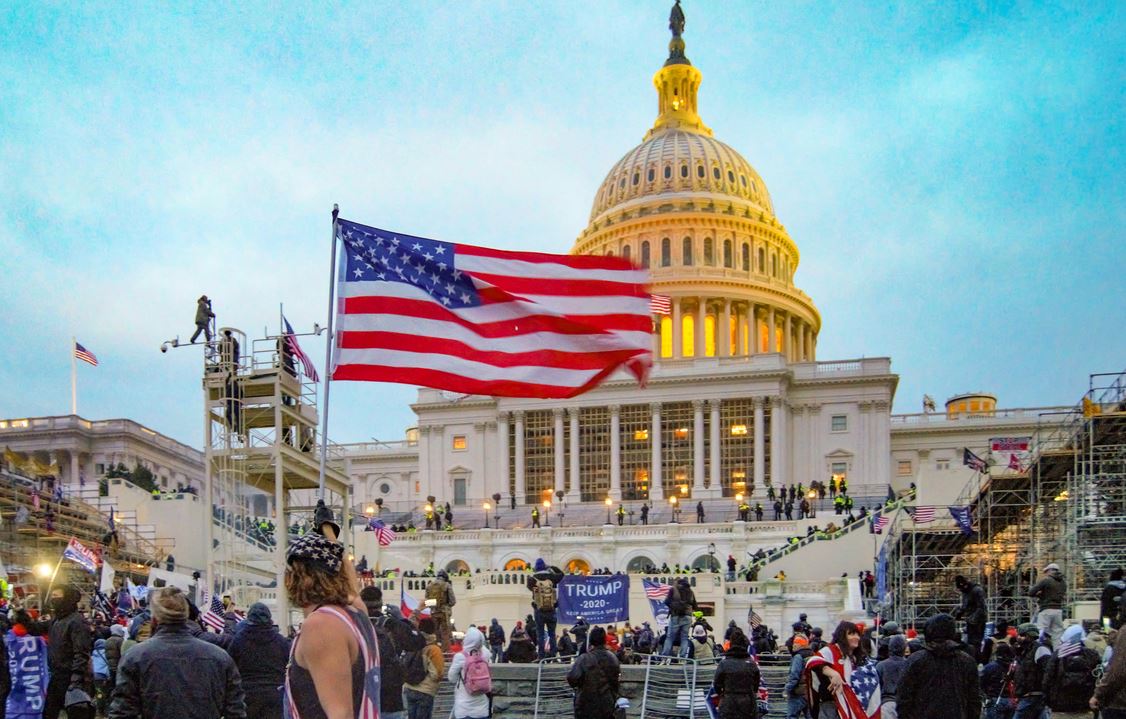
1016	414
100	428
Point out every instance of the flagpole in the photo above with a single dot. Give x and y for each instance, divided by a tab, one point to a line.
73	377
328	354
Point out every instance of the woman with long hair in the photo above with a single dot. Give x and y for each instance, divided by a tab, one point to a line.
830	670
333	671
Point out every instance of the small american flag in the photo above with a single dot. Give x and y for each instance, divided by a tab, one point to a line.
880	522
213	617
655	590
383	534
295	350
85	355
660	305
754	619
482	321
973	461
922	515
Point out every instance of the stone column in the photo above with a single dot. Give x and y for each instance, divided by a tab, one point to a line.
760	443
521	487
788	339
697	448
424	461
724	347
560	451
656	485
714	481
75	468
772	333
574	492
701	317
779	447
677	330
502	452
800	336
616	453
817	467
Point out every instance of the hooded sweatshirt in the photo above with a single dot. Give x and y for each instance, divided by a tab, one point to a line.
1113	590
891	670
468	705
1050	590
941	669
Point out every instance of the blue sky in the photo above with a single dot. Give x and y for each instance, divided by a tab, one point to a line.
952	173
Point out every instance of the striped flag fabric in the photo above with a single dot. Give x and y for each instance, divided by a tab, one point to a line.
922	515
383	534
753	618
660	305
879	523
85	355
213	617
655	590
294	348
484	321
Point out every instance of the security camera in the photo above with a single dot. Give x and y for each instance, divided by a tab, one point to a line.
164	347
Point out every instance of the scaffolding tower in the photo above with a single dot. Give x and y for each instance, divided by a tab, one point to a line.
260	439
1068	506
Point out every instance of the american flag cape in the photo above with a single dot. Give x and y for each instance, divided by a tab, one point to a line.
859	698
483	321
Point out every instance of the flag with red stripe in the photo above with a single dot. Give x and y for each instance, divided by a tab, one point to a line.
482	321
85	355
660	305
213	618
294	348
922	515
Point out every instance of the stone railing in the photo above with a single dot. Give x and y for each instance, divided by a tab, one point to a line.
100	427
1030	414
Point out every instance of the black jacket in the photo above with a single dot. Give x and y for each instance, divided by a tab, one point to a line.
260	653
973	605
595	675
736	682
69	643
1050	590
1109	600
1032	661
173	675
939	670
1069	682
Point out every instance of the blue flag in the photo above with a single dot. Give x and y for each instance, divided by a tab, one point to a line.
27	657
962	518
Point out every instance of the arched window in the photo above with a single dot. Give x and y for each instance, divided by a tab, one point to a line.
684	170
715	172
515	565
640	565
609	253
706	563
761	261
645	253
668	171
700	171
636	177
457	566
727	253
652	174
746	257
774	265
666	336
731	177
709	251
686	251
577	566
626	252
666	252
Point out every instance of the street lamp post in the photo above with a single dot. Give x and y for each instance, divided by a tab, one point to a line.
547	512
487	508
609	503
675	508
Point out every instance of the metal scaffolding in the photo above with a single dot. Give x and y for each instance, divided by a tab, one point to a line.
260	439
1067	506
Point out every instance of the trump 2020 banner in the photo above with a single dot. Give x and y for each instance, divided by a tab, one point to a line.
27	658
598	600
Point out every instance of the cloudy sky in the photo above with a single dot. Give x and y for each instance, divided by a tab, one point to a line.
952	173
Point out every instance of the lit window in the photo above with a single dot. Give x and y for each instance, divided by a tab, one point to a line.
903	468
681	433
738	430
459	441
839	423
641	435
688	335
666	336
709	335
839	469
942	464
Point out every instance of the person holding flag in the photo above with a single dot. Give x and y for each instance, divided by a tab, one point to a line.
842	682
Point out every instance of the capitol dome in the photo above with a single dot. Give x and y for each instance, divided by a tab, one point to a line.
694	212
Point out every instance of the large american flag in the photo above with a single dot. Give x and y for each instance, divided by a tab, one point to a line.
655	590
383	534
859	698
85	355
213	617
295	349
483	321
922	515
